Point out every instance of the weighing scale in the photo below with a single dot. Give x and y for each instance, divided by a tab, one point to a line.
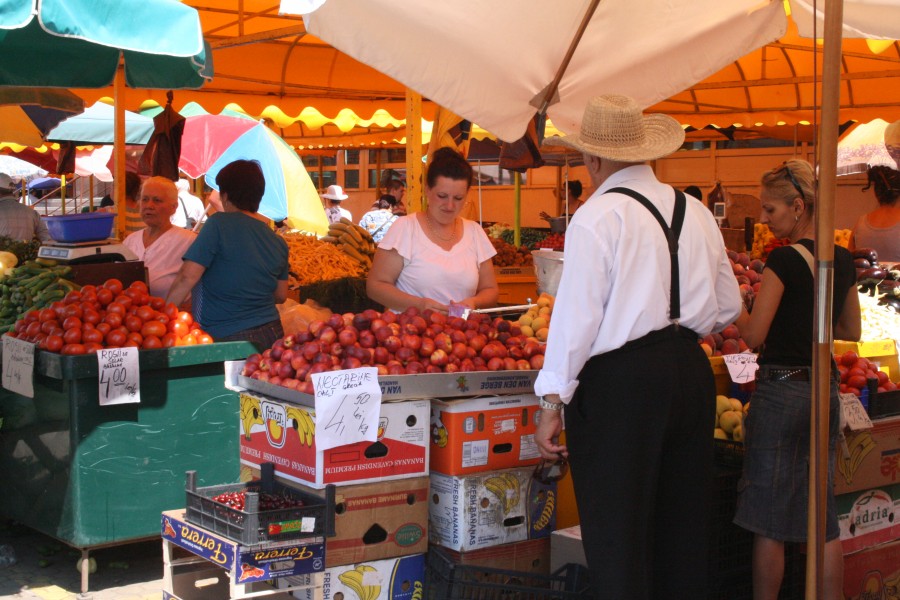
80	253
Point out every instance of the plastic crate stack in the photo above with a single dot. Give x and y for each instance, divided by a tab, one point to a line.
381	492
490	520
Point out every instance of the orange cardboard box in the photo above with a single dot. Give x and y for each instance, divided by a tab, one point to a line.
873	460
283	433
472	435
873	573
529	556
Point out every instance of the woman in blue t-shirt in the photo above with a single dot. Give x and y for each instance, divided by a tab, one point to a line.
237	267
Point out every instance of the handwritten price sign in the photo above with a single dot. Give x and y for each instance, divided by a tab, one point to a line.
18	366
348	404
741	367
853	414
119	376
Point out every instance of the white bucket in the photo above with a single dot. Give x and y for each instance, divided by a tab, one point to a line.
548	266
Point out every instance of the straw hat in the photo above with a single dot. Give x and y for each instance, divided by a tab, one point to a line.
6	183
335	192
614	128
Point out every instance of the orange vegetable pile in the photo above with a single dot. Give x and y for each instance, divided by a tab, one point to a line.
109	316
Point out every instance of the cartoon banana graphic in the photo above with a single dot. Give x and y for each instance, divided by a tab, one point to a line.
505	487
547	513
354	580
303	423
512	496
251	414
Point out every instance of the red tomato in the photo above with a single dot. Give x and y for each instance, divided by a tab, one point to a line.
104	296
72	323
54	343
161	317
154	328
114	319
33	329
47	314
88	297
136	337
117	308
204	338
169	340
133	323
88	348
145	313
151	342
188	340
134	294
124	300
178	328
73	349
49	326
140	286
186	318
113	285
116	338
72	297
59	307
104	327
92	336
31	316
20	326
90	316
89	289
170	310
74	310
157	303
72	336
130	344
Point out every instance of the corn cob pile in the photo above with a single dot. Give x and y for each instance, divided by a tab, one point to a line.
34	284
353	240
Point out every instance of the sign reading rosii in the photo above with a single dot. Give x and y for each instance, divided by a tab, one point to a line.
118	376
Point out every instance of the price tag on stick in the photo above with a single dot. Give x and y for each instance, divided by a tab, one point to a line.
741	367
348	404
119	376
18	366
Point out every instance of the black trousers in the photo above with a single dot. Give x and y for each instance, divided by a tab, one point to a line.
640	437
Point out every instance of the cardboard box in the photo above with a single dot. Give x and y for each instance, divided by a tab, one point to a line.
426	385
283	433
401	578
530	556
247	564
483	434
488	509
566	547
869	518
874	459
873	573
882	352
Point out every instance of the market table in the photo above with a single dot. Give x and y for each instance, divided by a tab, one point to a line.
92	475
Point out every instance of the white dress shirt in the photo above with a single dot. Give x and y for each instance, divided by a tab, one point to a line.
616	274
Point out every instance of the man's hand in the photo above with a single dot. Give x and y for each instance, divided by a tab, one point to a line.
547	434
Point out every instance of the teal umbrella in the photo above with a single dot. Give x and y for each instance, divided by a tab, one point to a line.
77	44
95	126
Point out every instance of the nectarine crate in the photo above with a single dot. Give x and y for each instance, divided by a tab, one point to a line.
446	580
252	526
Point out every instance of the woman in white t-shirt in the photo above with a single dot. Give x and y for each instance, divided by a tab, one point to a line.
431	258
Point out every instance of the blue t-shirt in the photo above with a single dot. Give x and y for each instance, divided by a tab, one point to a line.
244	261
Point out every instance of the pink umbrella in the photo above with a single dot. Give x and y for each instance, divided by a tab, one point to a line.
206	137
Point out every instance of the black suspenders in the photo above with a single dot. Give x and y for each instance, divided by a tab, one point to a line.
672	233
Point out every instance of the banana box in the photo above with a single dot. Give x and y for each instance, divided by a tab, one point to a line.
483	434
869	518
401	578
488	509
873	458
284	433
530	556
372	521
873	573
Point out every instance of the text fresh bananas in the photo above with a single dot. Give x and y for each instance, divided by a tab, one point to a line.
302	421
362	584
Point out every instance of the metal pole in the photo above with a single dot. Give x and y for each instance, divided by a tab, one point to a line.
824	275
517	233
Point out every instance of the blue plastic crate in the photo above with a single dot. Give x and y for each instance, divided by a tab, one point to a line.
82	227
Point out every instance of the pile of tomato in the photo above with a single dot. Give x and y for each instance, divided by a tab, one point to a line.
109	316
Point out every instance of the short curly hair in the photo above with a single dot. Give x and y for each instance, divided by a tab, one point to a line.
242	181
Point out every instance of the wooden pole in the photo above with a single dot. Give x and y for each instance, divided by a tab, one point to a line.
824	284
119	149
414	189
517	230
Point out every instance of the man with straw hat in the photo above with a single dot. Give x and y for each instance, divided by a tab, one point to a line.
645	275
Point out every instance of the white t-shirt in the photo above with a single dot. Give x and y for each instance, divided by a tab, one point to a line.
163	257
429	271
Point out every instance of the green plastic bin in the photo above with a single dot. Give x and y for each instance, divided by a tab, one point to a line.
93	475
